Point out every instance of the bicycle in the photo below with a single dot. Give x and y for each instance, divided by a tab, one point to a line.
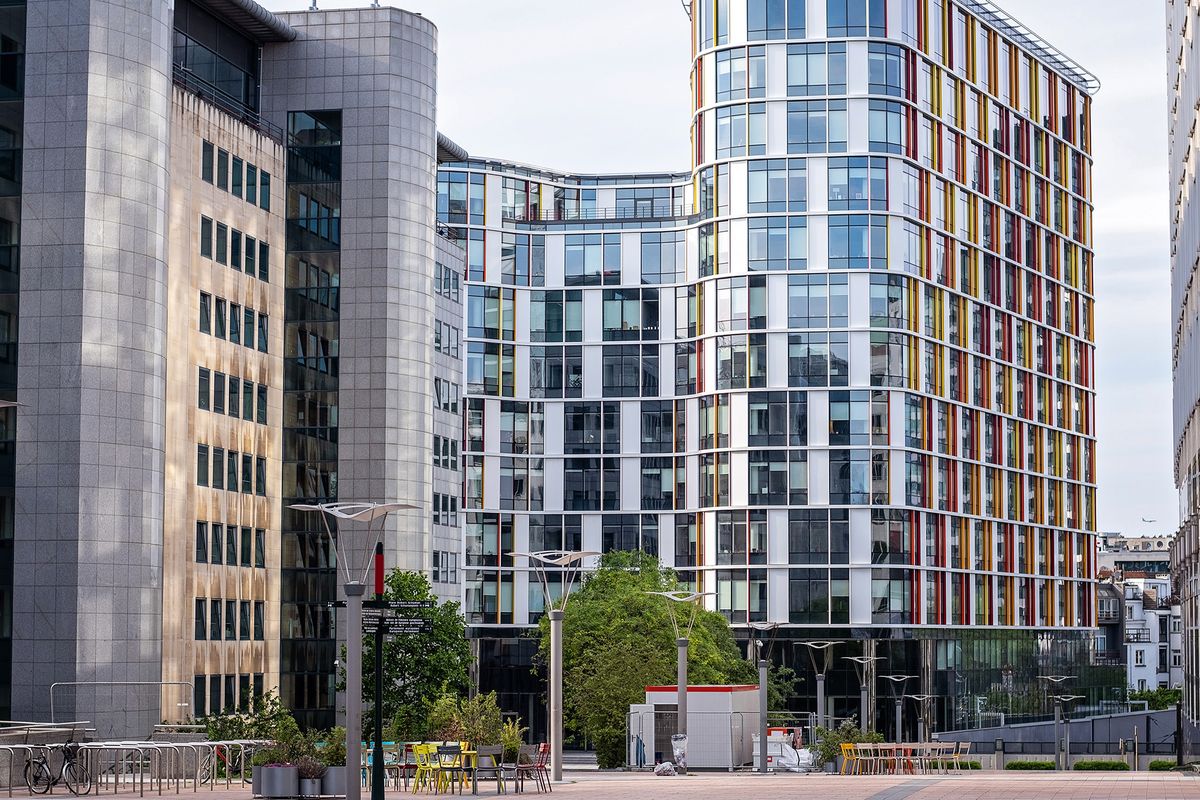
221	760
73	773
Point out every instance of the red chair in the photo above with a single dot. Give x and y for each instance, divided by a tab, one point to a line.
541	766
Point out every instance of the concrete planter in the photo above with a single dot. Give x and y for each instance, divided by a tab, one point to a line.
280	781
256	781
310	787
334	782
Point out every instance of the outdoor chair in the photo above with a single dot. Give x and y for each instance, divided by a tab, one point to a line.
959	758
542	765
450	766
427	774
526	767
489	764
849	759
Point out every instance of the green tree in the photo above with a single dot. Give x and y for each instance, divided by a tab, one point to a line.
617	640
418	668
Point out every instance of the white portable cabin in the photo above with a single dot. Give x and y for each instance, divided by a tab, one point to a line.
721	724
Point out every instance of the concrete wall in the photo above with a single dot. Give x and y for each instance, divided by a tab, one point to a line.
89	503
1035	740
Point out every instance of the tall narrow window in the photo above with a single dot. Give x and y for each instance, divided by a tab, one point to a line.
260	548
235	186
222	243
222	169
201	619
259	624
202	465
202	389
205	313
262	333
201	542
264	190
206	235
247	473
248	327
251	184
261	410
206	162
235	249
219	330
264	261
260	476
248	400
218	468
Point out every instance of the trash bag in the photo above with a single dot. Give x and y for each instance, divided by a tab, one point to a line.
665	768
805	762
679	747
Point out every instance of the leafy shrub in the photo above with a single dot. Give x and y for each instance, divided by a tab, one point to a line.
830	741
1102	764
332	752
474	719
512	736
1162	765
1029	765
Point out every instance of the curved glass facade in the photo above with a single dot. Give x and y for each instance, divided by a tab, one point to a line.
840	374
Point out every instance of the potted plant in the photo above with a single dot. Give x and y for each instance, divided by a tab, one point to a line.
333	756
262	757
310	772
280	780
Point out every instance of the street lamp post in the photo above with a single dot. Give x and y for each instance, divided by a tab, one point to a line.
764	665
923	716
1059	700
564	563
862	666
681	641
1058	681
355	587
824	648
898	682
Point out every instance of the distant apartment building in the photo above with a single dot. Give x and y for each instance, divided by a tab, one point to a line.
232	296
1183	97
1134	556
838	373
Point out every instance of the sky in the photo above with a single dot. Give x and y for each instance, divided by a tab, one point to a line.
603	87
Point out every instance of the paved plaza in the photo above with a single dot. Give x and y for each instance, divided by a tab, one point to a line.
748	786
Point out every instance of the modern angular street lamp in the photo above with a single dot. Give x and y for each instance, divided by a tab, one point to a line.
923	722
565	563
862	666
355	587
898	682
824	648
764	666
1059	699
681	641
1058	681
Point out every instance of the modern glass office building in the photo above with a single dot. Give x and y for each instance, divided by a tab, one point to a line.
1183	95
839	373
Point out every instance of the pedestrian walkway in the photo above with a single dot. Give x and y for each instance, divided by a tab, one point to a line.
597	785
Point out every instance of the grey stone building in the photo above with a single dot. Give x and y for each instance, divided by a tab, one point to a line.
228	306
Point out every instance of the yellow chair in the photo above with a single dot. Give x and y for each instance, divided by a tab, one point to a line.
428	772
849	759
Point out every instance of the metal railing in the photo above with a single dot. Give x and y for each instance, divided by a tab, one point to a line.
207	92
138	765
637	211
